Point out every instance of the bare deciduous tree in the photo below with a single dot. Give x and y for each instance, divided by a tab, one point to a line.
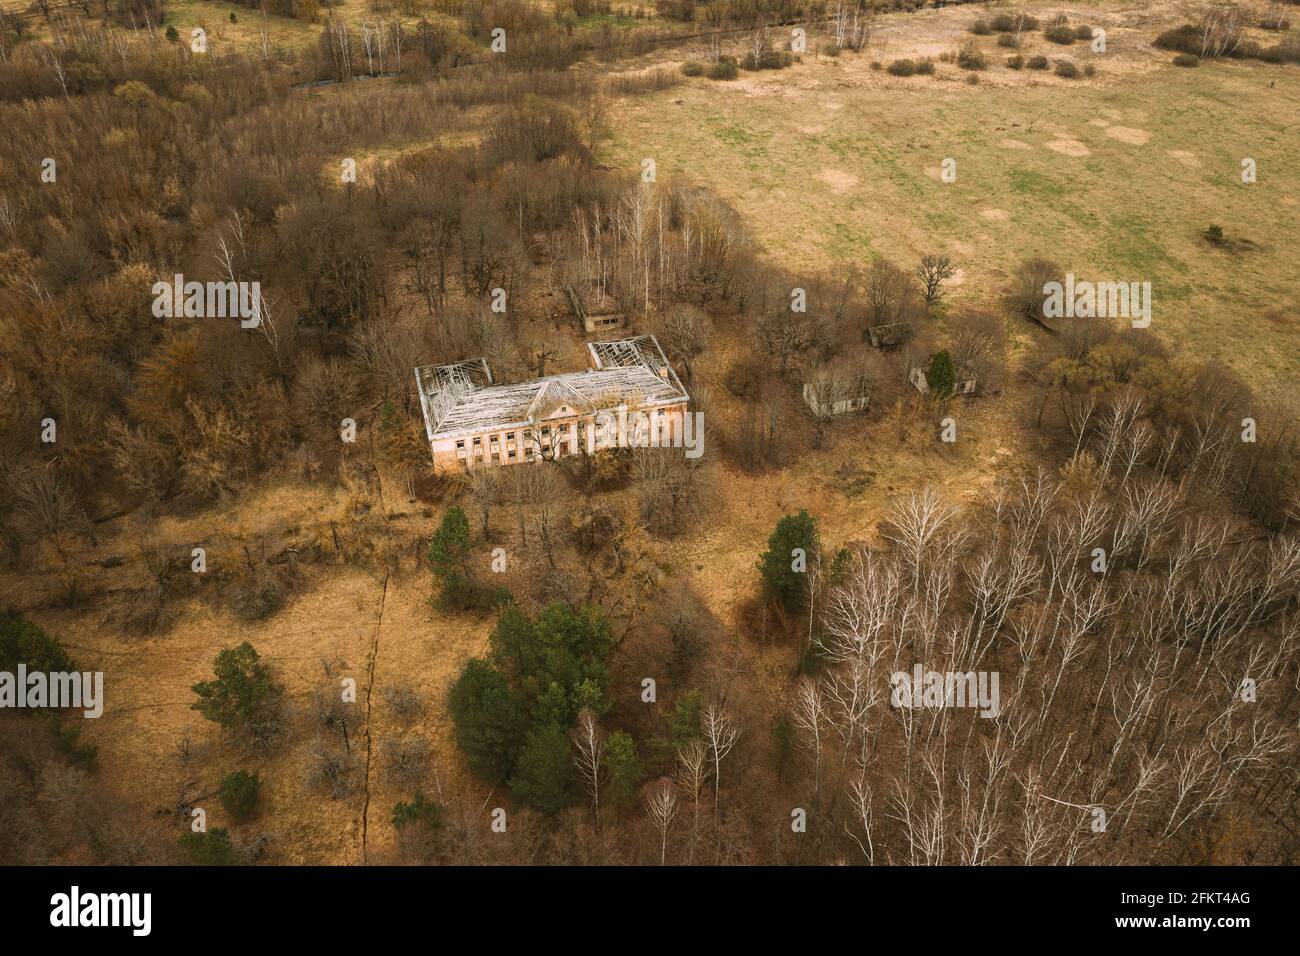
691	775
661	805
810	716
720	733
589	753
933	272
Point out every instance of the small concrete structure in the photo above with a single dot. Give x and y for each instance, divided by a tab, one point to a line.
602	323
828	397
964	385
887	336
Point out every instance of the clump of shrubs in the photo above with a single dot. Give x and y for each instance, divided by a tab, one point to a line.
1015	62
210	848
746	378
1226	41
22	641
981	27
1037	63
240	795
683	10
925	66
1184	39
1014	22
770	59
459	587
1288	51
694	68
725	69
1082	32
1009	40
1067	69
1187	59
1060	32
969	58
902	67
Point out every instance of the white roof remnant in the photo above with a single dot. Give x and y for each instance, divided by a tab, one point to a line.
461	399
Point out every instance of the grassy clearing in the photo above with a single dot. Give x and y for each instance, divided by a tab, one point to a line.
283	33
1115	177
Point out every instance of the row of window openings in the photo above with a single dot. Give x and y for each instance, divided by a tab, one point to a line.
528	435
510	436
496	445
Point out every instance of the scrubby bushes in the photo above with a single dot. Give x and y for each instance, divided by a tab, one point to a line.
1025	297
1221	34
210	848
683	10
747	377
1014	23
240	794
1187	59
970	58
725	69
1067	69
419	825
694	68
243	696
769	60
535	131
1060	33
1106	382
650	81
22	641
460	589
256	589
903	67
1037	63
1274	19
1184	39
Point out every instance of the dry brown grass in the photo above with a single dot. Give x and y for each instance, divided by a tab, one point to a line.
832	163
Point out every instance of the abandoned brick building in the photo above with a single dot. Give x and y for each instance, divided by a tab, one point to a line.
629	393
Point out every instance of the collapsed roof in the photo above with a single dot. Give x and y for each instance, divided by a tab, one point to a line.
461	398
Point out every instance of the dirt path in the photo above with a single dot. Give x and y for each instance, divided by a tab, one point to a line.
370	689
